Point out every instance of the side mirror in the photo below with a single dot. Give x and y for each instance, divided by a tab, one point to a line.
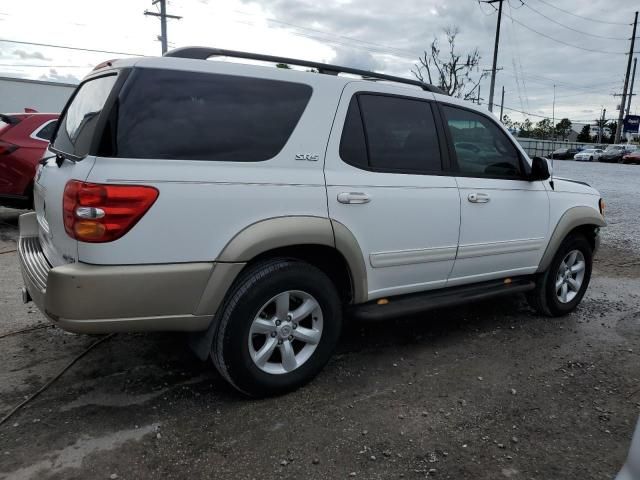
540	169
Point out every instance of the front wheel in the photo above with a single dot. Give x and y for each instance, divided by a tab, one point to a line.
278	327
591	159
560	289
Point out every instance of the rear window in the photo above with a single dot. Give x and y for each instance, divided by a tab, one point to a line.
77	126
168	114
46	132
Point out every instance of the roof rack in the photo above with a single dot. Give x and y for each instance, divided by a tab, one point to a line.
203	53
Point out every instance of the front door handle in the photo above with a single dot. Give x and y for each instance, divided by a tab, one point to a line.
353	198
478	198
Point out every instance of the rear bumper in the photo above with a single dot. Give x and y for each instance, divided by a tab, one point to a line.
85	298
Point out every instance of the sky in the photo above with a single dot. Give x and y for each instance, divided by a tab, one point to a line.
382	35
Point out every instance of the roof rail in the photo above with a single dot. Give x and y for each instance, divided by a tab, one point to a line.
203	53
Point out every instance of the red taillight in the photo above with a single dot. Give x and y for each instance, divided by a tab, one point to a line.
6	148
102	213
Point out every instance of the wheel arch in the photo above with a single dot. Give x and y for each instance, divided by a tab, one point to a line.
581	219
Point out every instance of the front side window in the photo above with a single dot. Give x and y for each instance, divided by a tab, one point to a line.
77	126
393	134
179	115
482	148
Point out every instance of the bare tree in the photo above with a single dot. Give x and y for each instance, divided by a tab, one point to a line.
457	74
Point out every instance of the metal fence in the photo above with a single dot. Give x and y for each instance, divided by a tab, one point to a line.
543	148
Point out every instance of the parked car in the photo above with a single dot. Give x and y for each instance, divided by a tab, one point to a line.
632	157
631	469
614	153
23	139
564	153
588	155
251	206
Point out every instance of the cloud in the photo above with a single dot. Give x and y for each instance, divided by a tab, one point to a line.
53	75
348	57
30	55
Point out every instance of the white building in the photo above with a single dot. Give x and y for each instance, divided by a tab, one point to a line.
16	94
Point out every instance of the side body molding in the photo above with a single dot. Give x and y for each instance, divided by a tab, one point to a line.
572	218
280	232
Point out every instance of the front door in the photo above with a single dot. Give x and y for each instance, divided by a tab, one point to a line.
385	183
504	216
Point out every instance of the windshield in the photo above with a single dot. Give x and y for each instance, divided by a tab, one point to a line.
588	150
78	124
614	148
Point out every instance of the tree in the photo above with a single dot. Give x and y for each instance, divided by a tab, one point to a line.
563	128
526	129
613	126
283	65
585	134
543	129
457	74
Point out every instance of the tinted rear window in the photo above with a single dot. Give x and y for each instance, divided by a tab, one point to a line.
168	114
77	126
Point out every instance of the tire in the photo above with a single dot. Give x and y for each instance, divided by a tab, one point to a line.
545	299
254	298
591	159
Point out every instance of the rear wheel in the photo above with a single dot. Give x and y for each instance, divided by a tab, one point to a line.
591	159
278	327
560	289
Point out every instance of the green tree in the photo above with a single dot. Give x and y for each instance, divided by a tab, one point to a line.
585	134
543	129
563	128
526	129
613	126
283	65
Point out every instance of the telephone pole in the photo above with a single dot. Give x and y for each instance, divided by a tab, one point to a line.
601	126
495	51
631	94
626	82
163	15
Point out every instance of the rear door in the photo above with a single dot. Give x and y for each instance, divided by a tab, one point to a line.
385	183
73	141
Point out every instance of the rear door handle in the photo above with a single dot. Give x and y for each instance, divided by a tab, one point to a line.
478	198
353	197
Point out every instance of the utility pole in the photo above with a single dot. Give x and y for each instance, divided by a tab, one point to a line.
631	94
601	126
163	15
626	82
495	51
553	121
502	105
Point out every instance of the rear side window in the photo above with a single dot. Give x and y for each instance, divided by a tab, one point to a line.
168	114
47	132
77	126
393	134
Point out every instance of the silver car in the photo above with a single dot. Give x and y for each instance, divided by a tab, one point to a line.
588	155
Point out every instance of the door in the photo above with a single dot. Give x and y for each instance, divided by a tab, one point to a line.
504	216
385	183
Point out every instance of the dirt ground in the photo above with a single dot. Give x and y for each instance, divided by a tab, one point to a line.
484	391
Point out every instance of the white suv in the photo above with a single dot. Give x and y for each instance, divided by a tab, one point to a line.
253	205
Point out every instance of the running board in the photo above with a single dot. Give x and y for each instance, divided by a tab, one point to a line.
419	302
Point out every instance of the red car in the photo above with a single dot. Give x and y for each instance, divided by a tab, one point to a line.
23	140
633	157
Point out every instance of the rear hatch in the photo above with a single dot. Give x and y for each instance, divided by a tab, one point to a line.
71	157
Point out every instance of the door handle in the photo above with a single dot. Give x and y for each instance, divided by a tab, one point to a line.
353	198
478	198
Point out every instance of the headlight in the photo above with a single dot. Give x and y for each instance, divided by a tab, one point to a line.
602	206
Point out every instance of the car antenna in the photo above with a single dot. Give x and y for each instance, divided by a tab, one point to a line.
552	169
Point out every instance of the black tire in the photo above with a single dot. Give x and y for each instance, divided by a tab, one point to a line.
544	299
591	159
255	287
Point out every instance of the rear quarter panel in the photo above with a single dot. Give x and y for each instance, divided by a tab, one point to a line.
203	204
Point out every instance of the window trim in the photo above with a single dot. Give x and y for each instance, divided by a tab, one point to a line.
444	154
34	134
455	169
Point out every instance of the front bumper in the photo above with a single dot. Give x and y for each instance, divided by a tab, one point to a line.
85	298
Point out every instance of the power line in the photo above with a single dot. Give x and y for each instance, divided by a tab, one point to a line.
561	41
580	16
571	28
22	42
